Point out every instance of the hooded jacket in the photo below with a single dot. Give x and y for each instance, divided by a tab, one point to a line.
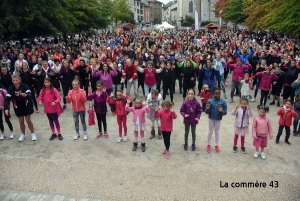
191	108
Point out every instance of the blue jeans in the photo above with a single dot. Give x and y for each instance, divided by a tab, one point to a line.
82	119
295	121
117	86
147	88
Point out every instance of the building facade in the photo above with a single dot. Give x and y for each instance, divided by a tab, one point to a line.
155	11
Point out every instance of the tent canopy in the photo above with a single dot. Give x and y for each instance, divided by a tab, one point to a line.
212	26
166	25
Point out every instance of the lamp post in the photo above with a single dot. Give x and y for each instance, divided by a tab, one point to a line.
220	18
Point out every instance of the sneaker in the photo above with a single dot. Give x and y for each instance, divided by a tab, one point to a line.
262	155
37	111
152	134
22	137
60	137
53	136
119	140
164	151
193	147
234	150
76	136
185	147
124	138
231	101
243	150
278	104
208	149
295	133
2	136
99	135
33	137
252	100
225	97
277	141
217	149
11	136
256	154
286	141
167	154
272	103
64	107
85	137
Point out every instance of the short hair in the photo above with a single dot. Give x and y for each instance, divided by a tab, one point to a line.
167	103
154	92
16	76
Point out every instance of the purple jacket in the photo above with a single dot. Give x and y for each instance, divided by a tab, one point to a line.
266	80
99	102
193	109
239	117
106	78
238	71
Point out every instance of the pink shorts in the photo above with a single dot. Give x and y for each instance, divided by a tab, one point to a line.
260	142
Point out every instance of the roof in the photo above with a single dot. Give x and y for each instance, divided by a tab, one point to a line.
126	25
212	25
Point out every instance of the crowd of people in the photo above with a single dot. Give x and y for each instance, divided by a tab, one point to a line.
98	68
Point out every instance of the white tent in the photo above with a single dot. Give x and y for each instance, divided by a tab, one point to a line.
166	25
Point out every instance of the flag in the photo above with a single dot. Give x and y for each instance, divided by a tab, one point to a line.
196	20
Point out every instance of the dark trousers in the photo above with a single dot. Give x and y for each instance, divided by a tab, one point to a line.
158	82
167	136
179	77
287	131
33	97
7	120
168	86
101	118
186	87
264	97
66	89
200	83
84	84
187	130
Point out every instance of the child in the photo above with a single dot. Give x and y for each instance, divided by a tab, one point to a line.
277	86
99	96
216	108
261	129
154	99
39	75
246	87
138	121
205	95
78	98
120	103
286	114
191	112
19	94
266	79
242	112
3	93
166	115
51	99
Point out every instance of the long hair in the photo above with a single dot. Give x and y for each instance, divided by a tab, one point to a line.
51	84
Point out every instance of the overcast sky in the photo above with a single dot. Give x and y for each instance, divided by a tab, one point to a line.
164	1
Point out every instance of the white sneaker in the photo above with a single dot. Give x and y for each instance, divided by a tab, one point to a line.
252	100
85	137
119	140
22	137
2	136
33	137
124	138
76	136
256	154
262	155
11	136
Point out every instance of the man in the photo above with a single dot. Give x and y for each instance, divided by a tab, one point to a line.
291	74
39	61
20	60
244	56
220	66
130	72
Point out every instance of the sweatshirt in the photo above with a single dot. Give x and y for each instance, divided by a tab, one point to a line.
166	119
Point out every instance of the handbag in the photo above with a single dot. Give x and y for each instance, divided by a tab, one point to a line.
91	114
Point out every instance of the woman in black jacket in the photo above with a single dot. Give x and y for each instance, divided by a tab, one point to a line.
189	78
5	77
168	77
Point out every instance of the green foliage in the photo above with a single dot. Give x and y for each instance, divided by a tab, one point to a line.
121	11
187	21
234	11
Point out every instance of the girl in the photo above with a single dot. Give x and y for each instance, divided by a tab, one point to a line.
39	75
18	71
216	108
19	94
286	114
99	96
189	78
120	103
205	95
138	121
5	78
51	99
154	99
3	93
246	87
261	129
78	99
191	112
166	115
168	76
266	79
242	112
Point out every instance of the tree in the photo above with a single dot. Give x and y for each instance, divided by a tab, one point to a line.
187	21
233	11
219	6
121	11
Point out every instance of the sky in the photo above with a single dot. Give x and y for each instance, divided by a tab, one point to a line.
164	1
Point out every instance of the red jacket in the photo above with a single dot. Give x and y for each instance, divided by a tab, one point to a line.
166	119
266	80
78	102
286	118
206	95
119	103
130	72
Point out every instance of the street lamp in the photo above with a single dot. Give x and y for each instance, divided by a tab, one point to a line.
220	12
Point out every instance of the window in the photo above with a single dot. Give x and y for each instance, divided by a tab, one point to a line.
137	3
191	5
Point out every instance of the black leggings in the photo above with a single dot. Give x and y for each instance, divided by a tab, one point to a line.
101	118
186	87
7	122
264	97
33	97
166	87
179	77
200	83
84	84
187	130
66	89
167	137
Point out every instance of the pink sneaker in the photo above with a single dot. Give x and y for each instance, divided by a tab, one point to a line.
167	154
99	135
164	151
217	149
208	149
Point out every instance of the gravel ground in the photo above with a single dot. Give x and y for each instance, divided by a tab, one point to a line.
102	168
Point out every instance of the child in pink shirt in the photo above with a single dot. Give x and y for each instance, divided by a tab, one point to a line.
138	121
166	116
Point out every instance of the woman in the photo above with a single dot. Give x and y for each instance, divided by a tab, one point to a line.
208	73
296	86
189	78
168	77
5	78
19	94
